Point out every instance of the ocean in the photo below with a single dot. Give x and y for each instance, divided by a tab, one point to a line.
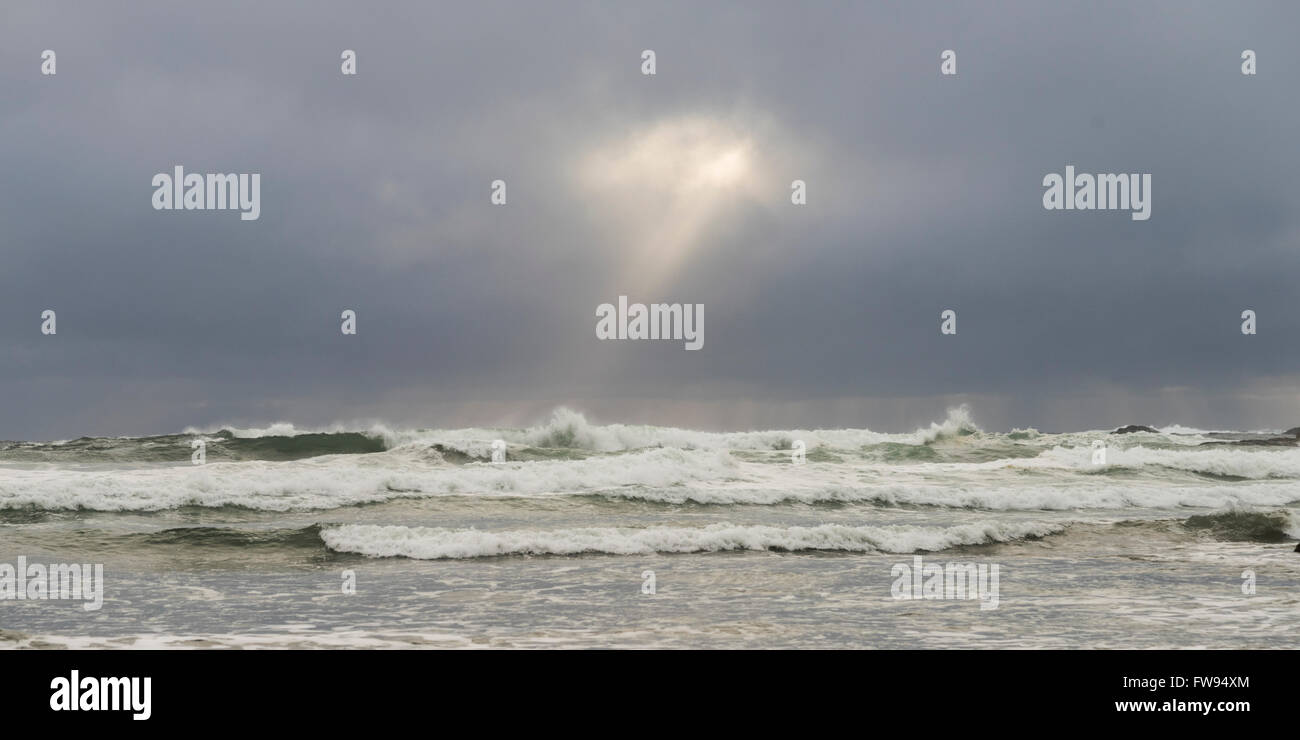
590	536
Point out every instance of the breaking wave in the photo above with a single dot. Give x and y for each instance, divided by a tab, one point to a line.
1242	525
428	543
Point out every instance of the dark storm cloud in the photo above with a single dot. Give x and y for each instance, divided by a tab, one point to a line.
924	194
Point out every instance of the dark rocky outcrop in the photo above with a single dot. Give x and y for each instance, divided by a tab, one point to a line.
1131	428
1293	431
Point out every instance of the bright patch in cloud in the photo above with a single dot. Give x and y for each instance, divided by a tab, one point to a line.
665	185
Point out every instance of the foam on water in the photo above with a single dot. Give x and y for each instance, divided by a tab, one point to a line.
429	543
457	551
343	480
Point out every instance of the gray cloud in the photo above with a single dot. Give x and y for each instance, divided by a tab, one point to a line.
924	194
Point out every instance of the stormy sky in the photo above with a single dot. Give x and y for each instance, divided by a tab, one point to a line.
924	193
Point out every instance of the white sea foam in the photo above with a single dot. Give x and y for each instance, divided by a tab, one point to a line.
1063	497
1180	429
677	466
343	480
428	543
278	429
571	429
1241	462
1292	528
567	428
1059	479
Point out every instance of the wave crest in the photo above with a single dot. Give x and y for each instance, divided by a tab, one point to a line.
430	543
